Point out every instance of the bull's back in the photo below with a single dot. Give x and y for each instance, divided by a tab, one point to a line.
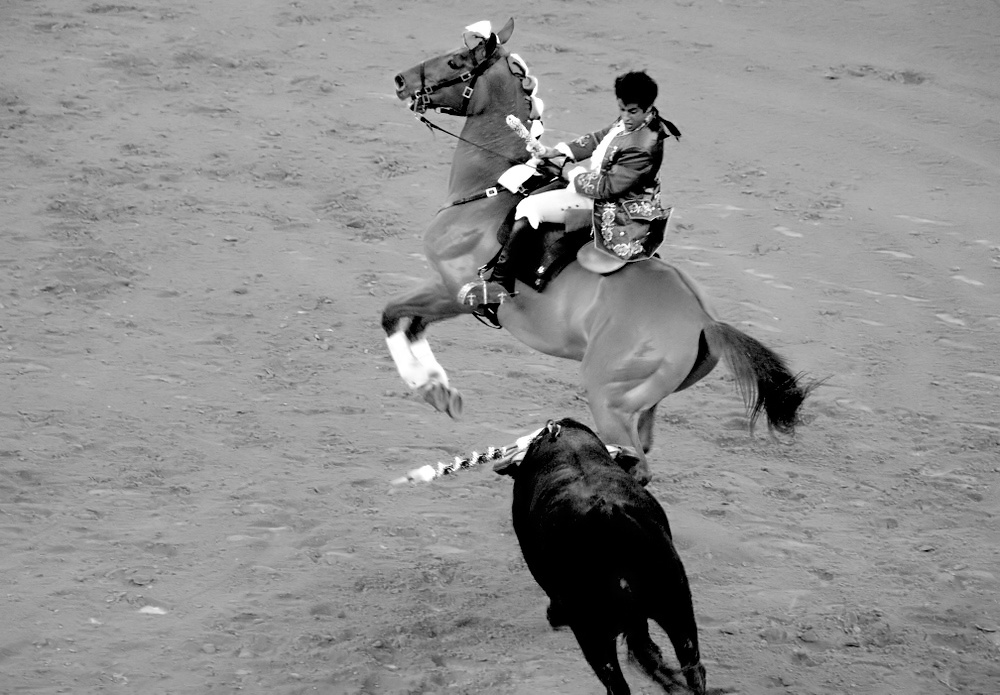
585	538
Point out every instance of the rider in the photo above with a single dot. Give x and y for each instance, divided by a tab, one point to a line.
624	159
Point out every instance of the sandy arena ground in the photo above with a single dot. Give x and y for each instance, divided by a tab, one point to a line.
203	209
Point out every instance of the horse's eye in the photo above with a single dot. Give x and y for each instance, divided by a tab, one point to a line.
453	64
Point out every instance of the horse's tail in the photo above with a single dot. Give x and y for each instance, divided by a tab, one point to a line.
762	377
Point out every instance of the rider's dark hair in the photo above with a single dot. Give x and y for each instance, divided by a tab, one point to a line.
636	87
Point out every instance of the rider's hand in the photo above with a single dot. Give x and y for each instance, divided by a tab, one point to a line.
571	170
549	153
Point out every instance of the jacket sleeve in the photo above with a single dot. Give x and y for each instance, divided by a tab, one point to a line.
631	164
583	146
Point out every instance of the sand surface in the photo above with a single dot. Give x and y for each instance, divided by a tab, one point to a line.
204	208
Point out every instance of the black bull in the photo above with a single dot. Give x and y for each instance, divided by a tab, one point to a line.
600	546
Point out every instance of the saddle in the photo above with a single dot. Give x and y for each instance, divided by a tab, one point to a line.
541	257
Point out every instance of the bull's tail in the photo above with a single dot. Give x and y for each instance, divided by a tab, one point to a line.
762	377
649	582
638	557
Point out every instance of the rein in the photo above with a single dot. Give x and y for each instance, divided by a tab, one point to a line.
434	126
486	193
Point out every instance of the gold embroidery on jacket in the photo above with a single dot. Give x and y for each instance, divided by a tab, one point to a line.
587	183
619	242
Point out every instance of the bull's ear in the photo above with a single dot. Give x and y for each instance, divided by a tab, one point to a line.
508	29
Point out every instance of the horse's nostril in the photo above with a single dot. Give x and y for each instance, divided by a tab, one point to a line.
400	82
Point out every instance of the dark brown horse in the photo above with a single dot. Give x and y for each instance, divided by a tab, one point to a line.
640	334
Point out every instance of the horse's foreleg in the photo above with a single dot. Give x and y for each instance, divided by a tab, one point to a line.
412	371
410	349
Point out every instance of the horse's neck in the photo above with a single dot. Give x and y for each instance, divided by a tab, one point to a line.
476	167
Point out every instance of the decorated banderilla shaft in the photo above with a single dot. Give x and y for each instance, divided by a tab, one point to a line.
427	473
530	141
511	452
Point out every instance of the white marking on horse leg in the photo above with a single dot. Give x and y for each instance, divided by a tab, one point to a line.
421	349
414	373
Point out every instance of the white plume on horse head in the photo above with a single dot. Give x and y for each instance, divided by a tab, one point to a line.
483	28
477	33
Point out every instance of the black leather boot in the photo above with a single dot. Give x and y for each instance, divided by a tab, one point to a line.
503	271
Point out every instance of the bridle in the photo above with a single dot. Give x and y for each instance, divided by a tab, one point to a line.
422	96
421	101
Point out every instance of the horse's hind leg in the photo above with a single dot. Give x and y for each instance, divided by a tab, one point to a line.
624	412
647	419
624	408
617	426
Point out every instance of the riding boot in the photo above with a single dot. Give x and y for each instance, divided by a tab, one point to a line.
503	271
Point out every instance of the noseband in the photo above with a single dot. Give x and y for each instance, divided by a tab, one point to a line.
422	96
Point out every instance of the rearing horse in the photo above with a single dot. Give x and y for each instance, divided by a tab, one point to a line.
639	334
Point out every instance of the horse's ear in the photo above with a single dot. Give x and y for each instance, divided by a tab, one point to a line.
491	45
508	29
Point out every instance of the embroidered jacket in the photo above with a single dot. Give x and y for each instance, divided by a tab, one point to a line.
622	180
629	166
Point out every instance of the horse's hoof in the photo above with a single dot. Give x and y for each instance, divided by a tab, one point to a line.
436	394
443	398
641	473
454	405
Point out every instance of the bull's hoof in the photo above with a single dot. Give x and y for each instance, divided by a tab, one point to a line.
443	398
695	676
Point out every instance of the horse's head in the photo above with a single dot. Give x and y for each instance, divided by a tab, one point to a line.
447	81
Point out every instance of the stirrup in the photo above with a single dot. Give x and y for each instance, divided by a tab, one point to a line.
480	292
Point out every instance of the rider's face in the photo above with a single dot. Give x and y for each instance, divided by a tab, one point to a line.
632	116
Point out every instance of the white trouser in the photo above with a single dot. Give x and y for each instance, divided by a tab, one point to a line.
551	206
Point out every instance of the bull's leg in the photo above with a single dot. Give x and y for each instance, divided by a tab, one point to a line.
410	350
601	653
647	654
675	615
